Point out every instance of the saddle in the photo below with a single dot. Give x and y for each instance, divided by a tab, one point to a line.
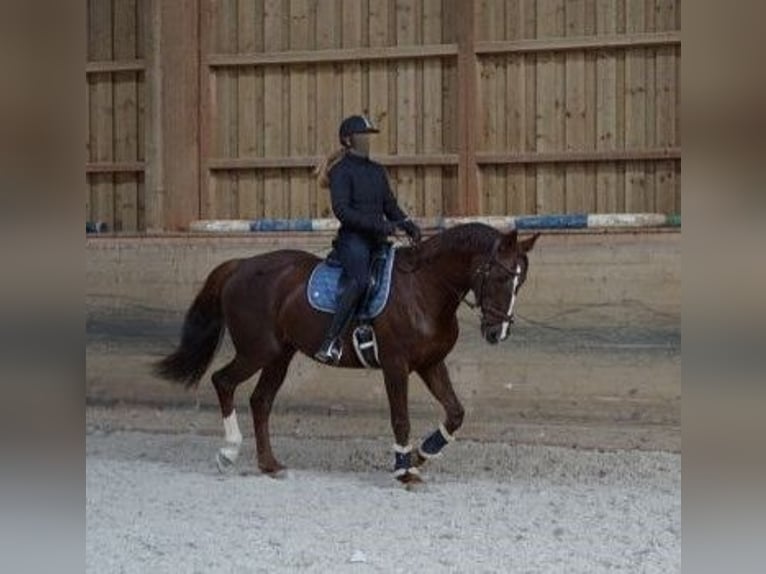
324	288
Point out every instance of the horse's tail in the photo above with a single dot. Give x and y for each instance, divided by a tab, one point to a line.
201	333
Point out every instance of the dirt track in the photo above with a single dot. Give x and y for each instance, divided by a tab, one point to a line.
156	503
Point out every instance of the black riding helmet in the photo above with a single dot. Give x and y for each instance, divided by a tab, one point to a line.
355	125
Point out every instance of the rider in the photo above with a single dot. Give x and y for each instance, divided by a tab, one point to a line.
368	213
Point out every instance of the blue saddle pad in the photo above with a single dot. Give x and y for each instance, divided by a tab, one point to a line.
322	289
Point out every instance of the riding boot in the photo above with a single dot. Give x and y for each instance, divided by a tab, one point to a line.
331	348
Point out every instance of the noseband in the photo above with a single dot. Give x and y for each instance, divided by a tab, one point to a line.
483	271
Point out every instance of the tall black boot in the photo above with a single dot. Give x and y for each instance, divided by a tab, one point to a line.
331	349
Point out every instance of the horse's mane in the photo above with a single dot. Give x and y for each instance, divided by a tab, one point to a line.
469	238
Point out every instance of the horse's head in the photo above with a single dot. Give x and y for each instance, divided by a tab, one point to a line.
496	282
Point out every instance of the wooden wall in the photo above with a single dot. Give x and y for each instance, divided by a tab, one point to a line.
116	107
484	106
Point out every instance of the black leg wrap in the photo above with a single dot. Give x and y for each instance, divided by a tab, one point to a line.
434	443
403	461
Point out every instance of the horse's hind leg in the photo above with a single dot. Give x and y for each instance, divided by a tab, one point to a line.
261	401
436	378
225	381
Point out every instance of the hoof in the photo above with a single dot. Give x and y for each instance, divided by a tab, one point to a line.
418	460
224	463
410	478
277	472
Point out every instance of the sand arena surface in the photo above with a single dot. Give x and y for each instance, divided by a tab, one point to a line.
156	503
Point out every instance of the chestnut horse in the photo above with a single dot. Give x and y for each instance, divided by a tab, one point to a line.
262	301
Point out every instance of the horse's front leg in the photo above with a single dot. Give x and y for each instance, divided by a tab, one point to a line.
396	379
436	378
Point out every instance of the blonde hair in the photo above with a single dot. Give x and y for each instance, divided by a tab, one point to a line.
322	171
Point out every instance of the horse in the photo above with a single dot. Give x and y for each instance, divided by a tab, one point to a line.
262	301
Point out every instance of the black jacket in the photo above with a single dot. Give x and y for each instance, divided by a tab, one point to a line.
362	199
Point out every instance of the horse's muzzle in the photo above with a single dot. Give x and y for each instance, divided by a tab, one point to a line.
492	334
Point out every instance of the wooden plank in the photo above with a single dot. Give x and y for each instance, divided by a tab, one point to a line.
115	167
467	86
550	108
515	112
249	113
576	193
334	56
351	37
406	108
226	198
432	110
110	66
179	100
299	109
446	159
276	188
637	200
153	189
378	78
528	18
102	113
666	180
450	89
589	195
126	117
494	190
602	42
329	99
607	192
285	162
622	155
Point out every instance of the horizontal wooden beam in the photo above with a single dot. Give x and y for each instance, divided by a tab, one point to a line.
579	156
332	56
115	167
482	158
638	40
219	164
115	66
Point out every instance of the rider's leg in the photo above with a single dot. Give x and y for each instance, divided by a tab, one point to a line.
355	258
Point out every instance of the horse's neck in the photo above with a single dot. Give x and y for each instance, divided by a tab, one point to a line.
451	274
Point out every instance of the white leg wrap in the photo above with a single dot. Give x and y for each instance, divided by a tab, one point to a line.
402	449
233	437
231	428
445	434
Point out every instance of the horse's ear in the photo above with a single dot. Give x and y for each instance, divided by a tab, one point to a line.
510	239
528	244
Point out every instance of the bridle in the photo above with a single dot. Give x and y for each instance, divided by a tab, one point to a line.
483	271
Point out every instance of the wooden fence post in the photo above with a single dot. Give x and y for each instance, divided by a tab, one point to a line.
172	171
466	71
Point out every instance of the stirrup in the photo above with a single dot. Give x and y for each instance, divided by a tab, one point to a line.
332	354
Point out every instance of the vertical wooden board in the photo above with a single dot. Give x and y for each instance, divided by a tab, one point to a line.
607	191
406	107
299	109
550	108
432	109
636	197
250	193
275	129
450	190
517	198
575	110
102	112
591	111
378	77
351	13
329	99
126	116
224	194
